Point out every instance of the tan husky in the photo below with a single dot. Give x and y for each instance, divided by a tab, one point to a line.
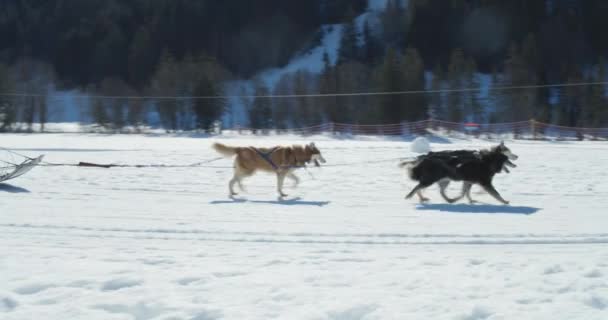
282	160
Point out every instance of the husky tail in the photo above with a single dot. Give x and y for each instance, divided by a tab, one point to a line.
410	165
225	150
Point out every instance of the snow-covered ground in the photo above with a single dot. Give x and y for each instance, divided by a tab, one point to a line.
85	243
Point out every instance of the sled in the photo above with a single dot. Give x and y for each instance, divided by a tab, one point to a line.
16	170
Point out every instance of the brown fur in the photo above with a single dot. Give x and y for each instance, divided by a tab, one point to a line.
286	158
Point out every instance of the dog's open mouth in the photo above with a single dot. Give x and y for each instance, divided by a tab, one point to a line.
510	155
317	159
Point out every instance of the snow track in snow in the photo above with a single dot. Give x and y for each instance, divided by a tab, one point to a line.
301	238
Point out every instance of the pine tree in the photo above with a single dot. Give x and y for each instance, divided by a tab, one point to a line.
7	109
110	53
165	83
348	42
42	112
32	76
600	107
391	80
371	48
142	57
136	112
328	85
531	56
283	108
207	110
394	24
473	107
569	101
306	112
99	113
436	107
530	53
415	105
521	103
260	114
29	111
573	115
117	106
496	97
352	77
455	80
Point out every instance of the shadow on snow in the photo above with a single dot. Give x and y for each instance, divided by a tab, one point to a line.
478	208
285	202
12	189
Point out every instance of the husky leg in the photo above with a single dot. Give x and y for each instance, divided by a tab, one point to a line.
238	179
421	197
416	189
235	179
239	175
241	186
490	189
466	189
293	177
443	184
280	180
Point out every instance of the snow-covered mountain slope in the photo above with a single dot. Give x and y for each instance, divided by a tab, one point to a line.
84	243
311	61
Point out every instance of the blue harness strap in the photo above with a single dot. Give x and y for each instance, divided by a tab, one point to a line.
266	156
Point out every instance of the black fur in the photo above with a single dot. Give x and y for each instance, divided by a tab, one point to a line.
455	157
474	167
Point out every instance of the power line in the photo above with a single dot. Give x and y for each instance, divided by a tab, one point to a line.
314	95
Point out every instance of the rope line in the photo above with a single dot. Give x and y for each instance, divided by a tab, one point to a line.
16	153
112	165
345	164
314	95
202	164
12	165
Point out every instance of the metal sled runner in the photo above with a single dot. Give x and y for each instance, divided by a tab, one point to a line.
16	170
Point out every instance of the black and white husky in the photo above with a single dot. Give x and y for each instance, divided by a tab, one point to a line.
471	167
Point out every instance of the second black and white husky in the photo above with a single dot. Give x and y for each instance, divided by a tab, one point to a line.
471	167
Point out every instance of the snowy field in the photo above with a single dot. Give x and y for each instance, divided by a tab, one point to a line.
167	243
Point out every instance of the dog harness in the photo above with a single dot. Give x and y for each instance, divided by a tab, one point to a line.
266	156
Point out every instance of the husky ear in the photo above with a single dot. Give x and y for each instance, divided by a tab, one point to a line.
502	143
312	144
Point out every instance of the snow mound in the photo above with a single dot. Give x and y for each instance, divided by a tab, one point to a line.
421	145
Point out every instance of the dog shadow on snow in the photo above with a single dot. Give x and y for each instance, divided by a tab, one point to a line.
5	187
478	208
285	202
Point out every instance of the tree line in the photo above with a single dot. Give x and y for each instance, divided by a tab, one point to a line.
448	47
191	48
